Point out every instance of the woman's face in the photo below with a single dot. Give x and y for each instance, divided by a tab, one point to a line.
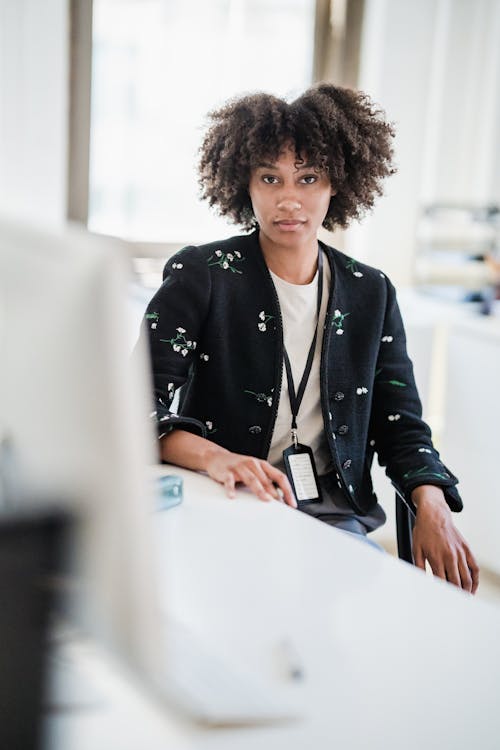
289	199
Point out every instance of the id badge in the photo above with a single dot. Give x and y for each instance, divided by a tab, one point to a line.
301	472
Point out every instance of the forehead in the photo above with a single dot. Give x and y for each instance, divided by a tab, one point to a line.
287	158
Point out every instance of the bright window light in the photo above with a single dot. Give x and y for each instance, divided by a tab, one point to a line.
158	67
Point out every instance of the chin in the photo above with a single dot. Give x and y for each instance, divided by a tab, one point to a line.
293	239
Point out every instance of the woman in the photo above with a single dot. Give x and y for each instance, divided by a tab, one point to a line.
292	355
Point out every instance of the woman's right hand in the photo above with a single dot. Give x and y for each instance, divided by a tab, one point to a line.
264	480
194	452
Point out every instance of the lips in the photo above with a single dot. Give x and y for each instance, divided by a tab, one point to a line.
289	225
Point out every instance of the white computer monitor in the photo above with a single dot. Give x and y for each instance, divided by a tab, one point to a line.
73	421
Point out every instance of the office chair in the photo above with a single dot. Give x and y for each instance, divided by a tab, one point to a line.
405	521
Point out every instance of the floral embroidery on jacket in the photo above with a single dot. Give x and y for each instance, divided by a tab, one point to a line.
352	266
176	266
387	339
397	383
166	417
264	320
180	343
362	391
338	321
226	260
210	427
261	397
154	317
425	471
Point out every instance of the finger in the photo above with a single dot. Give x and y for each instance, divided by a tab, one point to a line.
474	570
229	484
438	569
266	481
253	483
465	574
418	555
279	492
281	480
253	466
452	572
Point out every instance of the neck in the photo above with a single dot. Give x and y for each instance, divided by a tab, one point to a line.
297	265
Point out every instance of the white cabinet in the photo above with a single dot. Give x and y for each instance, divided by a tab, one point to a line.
471	436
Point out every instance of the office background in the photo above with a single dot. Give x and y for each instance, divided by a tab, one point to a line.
102	106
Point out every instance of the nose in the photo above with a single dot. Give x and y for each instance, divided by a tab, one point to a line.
288	201
289	204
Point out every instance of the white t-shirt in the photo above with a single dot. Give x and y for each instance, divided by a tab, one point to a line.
298	303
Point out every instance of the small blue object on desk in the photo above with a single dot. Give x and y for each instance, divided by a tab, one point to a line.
169	489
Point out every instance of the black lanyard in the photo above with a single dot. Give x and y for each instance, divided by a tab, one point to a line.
296	398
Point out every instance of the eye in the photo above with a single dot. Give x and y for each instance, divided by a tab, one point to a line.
309	179
269	179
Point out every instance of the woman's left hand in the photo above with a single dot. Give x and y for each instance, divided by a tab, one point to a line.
436	539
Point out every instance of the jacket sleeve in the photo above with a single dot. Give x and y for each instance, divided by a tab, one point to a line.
172	325
402	439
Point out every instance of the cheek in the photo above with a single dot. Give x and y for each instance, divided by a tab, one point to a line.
258	201
255	204
253	193
323	203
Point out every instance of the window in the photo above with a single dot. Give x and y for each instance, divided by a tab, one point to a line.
158	67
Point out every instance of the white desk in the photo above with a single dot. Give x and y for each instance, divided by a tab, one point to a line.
393	659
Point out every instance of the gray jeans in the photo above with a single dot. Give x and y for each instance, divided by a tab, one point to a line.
336	511
353	527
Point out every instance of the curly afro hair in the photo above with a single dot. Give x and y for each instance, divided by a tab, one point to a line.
338	130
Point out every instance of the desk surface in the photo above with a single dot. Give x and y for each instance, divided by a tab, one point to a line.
392	658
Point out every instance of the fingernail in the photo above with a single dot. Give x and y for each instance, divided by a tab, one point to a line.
267	496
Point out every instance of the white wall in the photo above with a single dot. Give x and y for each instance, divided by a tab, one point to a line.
435	68
462	156
34	72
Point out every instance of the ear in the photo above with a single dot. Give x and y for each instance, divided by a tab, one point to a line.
334	192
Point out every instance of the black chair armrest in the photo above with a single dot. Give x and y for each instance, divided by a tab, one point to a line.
405	520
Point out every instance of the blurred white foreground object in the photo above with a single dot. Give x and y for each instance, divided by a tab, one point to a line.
73	425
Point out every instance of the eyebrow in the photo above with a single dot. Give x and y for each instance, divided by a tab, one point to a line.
267	165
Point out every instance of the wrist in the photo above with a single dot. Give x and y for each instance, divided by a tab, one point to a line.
164	446
210	453
182	448
428	494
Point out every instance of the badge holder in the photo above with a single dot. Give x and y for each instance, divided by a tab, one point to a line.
301	471
299	461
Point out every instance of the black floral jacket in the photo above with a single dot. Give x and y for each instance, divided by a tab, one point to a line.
214	328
